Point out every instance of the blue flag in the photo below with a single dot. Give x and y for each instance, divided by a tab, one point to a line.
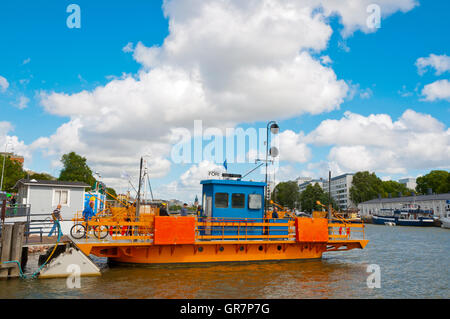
225	165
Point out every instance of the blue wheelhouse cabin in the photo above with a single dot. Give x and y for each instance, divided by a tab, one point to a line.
233	200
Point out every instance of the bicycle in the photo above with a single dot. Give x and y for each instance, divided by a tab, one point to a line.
79	231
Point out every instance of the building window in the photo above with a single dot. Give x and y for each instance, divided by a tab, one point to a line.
221	200
238	200
61	197
254	201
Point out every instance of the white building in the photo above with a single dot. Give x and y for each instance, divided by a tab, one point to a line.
340	190
408	182
439	203
301	180
43	196
312	182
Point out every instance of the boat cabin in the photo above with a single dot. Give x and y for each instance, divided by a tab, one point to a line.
233	199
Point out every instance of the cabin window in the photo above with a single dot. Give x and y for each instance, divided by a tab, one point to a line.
238	200
254	201
221	200
61	197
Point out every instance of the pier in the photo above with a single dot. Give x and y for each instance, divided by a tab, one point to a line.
12	239
15	245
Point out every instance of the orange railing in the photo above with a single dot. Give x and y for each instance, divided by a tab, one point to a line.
244	229
113	227
344	230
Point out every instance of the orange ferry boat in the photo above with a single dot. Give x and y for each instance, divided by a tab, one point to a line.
236	227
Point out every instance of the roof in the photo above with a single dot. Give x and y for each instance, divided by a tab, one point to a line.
445	196
341	176
41	182
323	180
313	181
232	182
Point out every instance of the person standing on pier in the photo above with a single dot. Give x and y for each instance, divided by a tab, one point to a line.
56	215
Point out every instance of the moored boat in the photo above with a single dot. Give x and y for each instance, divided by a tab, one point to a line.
445	221
410	215
235	226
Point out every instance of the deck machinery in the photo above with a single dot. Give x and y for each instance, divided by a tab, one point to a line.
235	226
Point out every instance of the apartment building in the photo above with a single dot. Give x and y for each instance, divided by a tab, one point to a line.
340	190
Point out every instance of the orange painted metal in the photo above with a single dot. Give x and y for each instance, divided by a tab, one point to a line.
170	239
174	230
313	230
341	245
219	252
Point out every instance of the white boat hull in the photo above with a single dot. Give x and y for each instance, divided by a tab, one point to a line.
445	222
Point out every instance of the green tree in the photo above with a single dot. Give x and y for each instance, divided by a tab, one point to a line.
42	176
111	191
312	194
287	194
366	186
12	173
75	169
437	180
393	188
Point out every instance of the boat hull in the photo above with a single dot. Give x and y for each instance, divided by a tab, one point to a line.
402	222
445	223
209	253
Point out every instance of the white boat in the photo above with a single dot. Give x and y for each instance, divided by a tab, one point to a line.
389	223
445	221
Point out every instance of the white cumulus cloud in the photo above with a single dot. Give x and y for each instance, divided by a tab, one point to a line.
441	63
377	143
225	62
12	142
438	90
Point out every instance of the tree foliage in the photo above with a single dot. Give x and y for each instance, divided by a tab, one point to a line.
12	173
76	169
438	181
312	194
42	177
366	186
287	194
111	191
394	188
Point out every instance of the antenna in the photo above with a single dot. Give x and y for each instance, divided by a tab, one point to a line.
252	170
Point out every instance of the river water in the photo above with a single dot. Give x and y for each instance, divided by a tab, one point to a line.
413	262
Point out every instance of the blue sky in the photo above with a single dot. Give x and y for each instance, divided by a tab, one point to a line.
40	54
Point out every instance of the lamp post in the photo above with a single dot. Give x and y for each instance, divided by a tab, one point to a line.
274	129
3	167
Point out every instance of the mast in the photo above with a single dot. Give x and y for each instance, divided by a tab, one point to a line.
329	196
138	201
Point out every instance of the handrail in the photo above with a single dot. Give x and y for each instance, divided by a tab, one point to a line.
244	228
207	228
345	224
284	209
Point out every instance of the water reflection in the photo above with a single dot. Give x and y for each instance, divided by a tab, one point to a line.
413	262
